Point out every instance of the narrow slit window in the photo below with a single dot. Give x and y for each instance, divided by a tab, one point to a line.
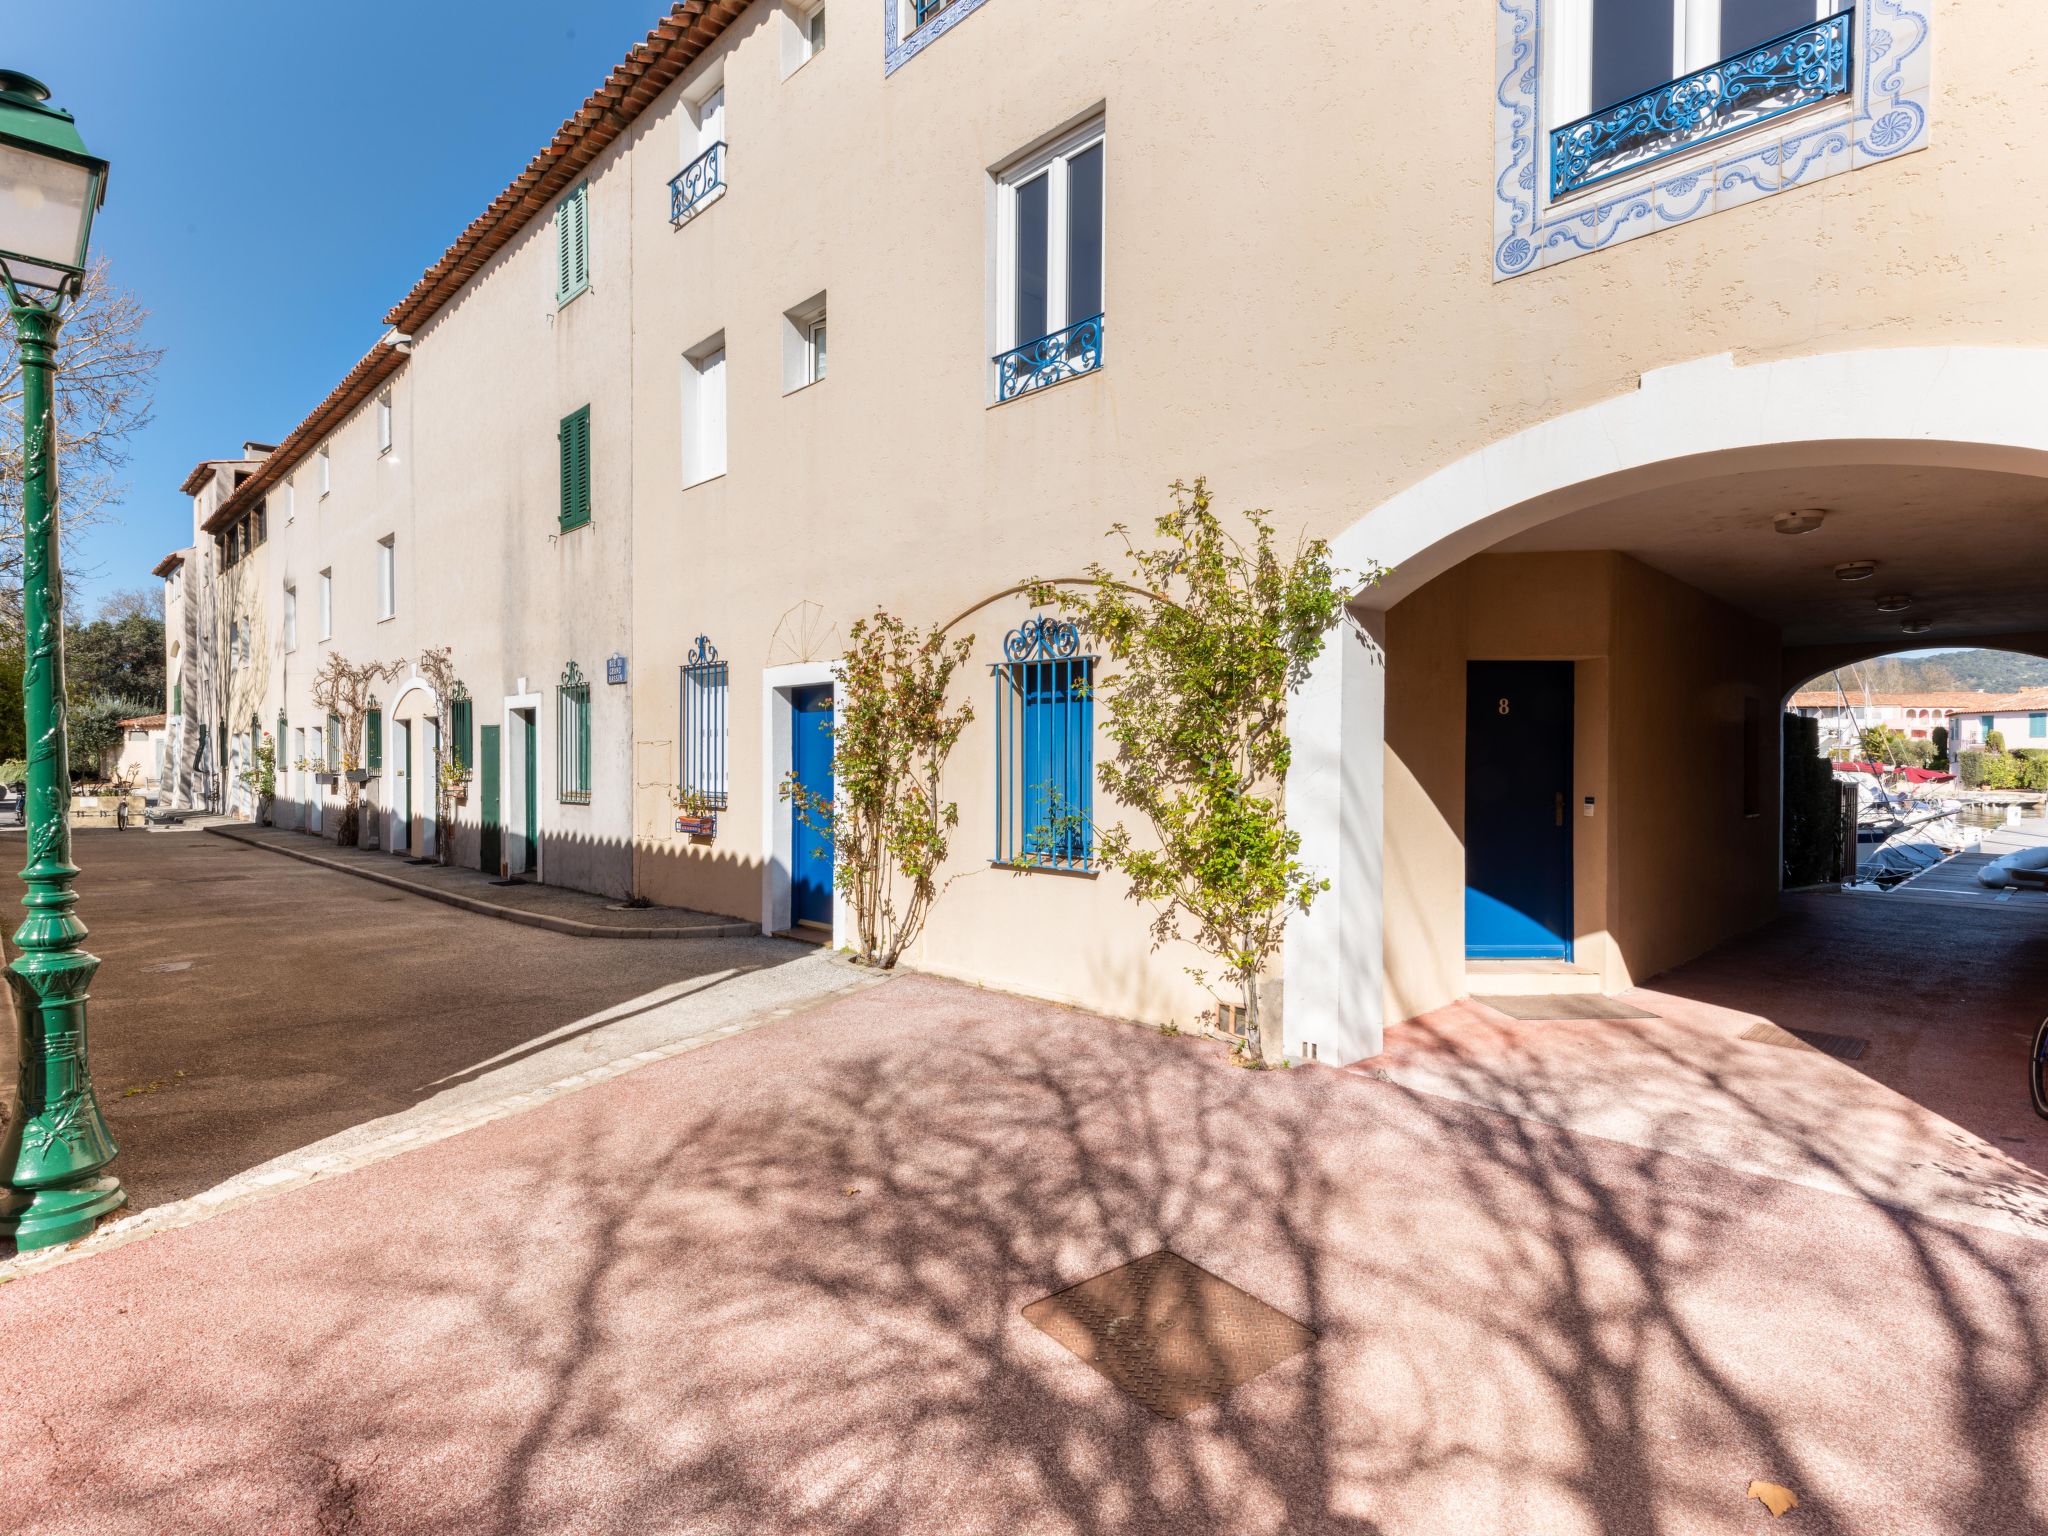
704	734
1045	748
572	737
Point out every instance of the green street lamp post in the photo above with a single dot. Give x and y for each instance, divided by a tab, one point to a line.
56	1143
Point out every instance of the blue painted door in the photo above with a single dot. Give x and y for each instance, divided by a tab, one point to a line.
810	850
1518	831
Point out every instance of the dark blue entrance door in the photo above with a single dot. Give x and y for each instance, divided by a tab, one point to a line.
1518	833
810	753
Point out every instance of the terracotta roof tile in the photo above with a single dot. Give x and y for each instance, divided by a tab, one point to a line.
653	65
376	365
169	563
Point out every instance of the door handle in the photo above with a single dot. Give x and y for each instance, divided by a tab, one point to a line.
1560	807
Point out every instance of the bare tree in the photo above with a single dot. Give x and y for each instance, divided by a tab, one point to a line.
343	689
106	377
133	603
439	671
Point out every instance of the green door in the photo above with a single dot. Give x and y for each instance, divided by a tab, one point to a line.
529	832
491	854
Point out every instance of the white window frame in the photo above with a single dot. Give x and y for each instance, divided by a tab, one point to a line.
1695	44
326	458
802	27
387	577
1052	160
803	331
384	423
291	617
706	411
291	503
327	604
703	121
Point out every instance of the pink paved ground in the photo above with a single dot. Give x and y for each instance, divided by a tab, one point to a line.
774	1287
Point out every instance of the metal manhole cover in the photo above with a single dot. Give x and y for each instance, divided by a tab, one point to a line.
1841	1047
1171	1334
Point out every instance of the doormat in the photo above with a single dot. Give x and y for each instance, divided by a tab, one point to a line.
1168	1332
1841	1047
1559	1007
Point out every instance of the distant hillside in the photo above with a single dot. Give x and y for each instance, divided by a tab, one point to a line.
1985	671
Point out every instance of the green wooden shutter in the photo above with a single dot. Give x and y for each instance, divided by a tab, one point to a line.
572	245
373	756
333	743
461	723
575	445
178	698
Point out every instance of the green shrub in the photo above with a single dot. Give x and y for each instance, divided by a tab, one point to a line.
1973	767
1813	822
1994	741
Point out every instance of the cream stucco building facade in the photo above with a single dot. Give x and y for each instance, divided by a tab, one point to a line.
1563	375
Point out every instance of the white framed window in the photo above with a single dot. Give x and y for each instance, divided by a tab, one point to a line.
803	35
291	617
326	470
912	14
327	605
387	576
1050	210
291	502
1610	50
803	344
384	422
704	411
704	124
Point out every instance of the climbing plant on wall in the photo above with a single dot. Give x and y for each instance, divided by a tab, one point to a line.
1209	634
343	689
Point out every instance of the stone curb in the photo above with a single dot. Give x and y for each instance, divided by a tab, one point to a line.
295	1173
567	925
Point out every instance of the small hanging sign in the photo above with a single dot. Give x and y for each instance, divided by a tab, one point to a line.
615	669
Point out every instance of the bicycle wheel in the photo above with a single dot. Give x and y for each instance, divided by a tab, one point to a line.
2037	1071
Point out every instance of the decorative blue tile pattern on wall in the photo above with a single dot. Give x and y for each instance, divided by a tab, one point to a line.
898	51
1883	115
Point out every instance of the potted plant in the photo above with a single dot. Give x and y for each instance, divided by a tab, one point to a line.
455	779
695	814
261	776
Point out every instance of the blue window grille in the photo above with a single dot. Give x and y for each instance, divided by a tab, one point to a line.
1053	359
704	696
696	184
1045	748
925	10
1796	70
572	738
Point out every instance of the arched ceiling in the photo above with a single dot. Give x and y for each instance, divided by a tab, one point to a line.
1969	546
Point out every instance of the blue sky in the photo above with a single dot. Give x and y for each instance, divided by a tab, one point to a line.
282	172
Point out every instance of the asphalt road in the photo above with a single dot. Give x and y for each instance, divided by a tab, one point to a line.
248	1004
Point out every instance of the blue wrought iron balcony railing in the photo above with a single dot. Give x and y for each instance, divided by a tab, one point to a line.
1756	85
1050	359
697	184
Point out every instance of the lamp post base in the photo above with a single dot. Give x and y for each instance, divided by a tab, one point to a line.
47	1217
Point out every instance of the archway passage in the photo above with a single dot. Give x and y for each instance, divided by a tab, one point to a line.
1678	545
1692	1005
